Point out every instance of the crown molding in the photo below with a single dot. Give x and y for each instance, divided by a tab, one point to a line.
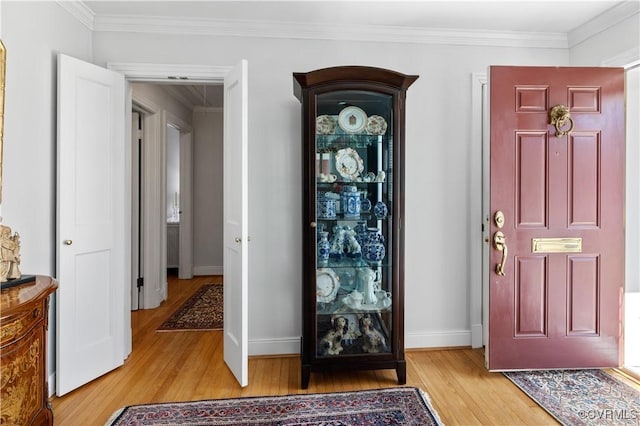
367	33
80	11
604	21
307	30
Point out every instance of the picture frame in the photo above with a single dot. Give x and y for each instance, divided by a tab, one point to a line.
3	62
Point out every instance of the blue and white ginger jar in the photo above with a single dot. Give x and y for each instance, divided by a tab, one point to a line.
380	210
374	250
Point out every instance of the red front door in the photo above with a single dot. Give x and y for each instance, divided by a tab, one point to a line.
555	301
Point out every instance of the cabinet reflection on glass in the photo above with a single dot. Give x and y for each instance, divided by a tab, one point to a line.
353	245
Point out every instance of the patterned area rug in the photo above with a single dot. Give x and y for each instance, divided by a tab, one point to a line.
581	397
202	311
395	406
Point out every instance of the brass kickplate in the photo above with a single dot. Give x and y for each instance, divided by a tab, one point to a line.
556	245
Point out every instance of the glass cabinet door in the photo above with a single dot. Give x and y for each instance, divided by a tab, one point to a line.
354	222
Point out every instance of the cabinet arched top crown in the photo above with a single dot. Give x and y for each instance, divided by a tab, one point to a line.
350	73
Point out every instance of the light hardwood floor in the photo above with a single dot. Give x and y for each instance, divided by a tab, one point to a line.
184	366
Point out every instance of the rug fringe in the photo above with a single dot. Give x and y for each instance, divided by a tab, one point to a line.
114	416
427	400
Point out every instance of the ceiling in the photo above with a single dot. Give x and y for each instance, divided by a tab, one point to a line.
201	95
557	18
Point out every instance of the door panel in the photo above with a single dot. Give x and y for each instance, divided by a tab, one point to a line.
531	182
236	223
531	293
584	191
93	269
558	303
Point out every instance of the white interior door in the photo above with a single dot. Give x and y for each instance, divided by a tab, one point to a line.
93	215
236	222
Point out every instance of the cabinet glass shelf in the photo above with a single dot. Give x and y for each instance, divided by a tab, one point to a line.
330	143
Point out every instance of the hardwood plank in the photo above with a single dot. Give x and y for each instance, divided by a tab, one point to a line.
183	366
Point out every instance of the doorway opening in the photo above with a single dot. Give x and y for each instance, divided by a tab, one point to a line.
179	208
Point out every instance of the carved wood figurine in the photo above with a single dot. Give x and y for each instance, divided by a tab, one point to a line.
9	254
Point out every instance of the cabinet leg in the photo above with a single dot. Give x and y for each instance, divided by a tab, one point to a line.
401	371
305	376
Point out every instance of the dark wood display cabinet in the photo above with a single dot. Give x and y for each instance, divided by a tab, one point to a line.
353	139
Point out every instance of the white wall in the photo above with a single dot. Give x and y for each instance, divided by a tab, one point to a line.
207	192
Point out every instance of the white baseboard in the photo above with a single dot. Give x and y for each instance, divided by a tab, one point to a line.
437	339
208	270
281	346
291	345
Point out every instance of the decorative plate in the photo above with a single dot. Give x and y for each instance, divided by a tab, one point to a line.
352	119
376	125
325	125
348	163
327	285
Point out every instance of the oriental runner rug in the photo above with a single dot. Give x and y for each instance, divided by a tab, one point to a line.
202	311
394	406
581	397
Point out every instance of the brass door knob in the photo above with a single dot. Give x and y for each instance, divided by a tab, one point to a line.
500	244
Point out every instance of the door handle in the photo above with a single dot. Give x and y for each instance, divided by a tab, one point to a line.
238	240
68	242
500	244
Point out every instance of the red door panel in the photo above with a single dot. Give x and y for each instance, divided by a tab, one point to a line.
556	307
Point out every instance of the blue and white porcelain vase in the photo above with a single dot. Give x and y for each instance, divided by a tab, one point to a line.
374	250
380	210
323	248
361	232
350	201
326	207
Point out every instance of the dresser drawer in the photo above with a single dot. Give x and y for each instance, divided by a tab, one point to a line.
15	326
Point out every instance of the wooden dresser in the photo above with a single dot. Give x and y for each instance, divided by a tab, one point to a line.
23	360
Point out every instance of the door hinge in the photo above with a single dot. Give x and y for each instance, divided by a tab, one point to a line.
140	282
